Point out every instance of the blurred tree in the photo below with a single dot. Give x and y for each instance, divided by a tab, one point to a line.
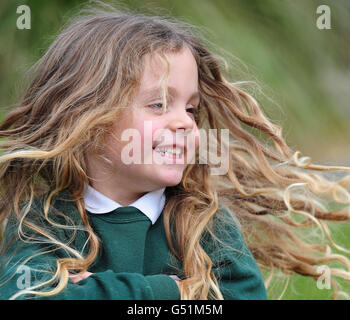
303	71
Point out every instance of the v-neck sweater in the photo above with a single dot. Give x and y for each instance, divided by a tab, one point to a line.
134	261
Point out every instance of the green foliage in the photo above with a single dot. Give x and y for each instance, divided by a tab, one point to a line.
303	71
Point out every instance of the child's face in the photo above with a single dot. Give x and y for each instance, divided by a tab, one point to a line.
178	125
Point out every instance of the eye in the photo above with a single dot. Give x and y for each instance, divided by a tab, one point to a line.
192	110
156	106
195	112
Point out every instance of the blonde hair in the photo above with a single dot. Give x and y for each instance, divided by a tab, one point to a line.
80	88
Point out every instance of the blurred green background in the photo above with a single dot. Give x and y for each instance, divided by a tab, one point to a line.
303	73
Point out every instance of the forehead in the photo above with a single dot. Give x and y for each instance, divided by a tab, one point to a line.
157	91
176	70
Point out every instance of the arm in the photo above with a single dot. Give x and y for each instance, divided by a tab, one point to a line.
18	274
121	286
102	285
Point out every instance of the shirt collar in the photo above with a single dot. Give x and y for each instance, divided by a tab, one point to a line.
151	204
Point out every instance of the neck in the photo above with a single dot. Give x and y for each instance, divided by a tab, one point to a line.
114	184
121	195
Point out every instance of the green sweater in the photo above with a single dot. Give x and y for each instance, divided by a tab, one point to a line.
134	261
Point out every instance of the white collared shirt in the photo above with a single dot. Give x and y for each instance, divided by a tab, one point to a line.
151	204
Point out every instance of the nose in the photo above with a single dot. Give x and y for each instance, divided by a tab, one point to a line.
181	119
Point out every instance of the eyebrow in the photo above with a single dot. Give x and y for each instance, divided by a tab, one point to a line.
171	91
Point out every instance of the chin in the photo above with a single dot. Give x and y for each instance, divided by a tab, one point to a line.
170	179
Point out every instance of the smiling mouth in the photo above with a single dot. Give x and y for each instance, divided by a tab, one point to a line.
173	154
170	152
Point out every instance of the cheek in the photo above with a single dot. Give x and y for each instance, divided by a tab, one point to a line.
117	139
193	140
196	137
149	132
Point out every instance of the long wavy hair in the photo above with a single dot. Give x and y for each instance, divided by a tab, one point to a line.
79	89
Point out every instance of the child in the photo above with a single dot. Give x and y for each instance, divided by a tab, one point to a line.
83	219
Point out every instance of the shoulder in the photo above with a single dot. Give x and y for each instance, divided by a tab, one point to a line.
59	209
233	263
225	229
224	241
38	225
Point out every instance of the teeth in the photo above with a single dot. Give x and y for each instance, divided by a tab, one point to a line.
169	151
